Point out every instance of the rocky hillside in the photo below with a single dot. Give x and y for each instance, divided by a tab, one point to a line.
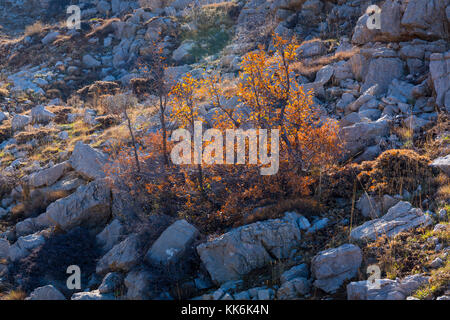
71	193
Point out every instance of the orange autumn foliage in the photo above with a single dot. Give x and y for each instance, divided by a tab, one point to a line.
215	197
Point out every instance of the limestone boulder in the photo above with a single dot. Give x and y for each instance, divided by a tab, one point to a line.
246	248
172	244
333	266
400	217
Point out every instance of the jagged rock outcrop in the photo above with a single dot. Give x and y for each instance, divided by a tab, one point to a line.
241	250
49	176
172	244
88	206
41	115
362	134
122	257
92	295
88	162
442	163
385	289
111	235
48	292
138	283
333	266
24	245
111	282
405	20
440	74
400	217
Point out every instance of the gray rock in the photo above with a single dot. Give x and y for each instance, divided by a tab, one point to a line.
88	206
436	263
400	217
443	163
172	244
92	295
3	213
442	214
360	135
401	90
48	177
19	122
403	20
246	248
426	19
350	119
361	33
183	52
311	48
300	271
346	100
31	225
47	292
359	64
41	115
440	74
3	117
63	135
369	206
369	154
356	105
138	285
24	245
61	189
111	282
90	62
265	294
415	123
50	37
103	7
243	295
294	288
318	225
388	202
88	162
385	289
297	219
4	248
324	75
381	72
122	257
333	266
111	235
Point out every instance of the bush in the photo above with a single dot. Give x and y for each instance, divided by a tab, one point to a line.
397	170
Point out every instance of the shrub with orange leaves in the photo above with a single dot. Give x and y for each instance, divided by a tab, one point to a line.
215	197
269	89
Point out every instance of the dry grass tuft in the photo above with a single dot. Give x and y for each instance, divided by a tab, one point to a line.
407	253
304	206
15	295
36	28
309	67
397	170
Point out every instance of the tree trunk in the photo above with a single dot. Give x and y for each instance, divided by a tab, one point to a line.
136	157
164	130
